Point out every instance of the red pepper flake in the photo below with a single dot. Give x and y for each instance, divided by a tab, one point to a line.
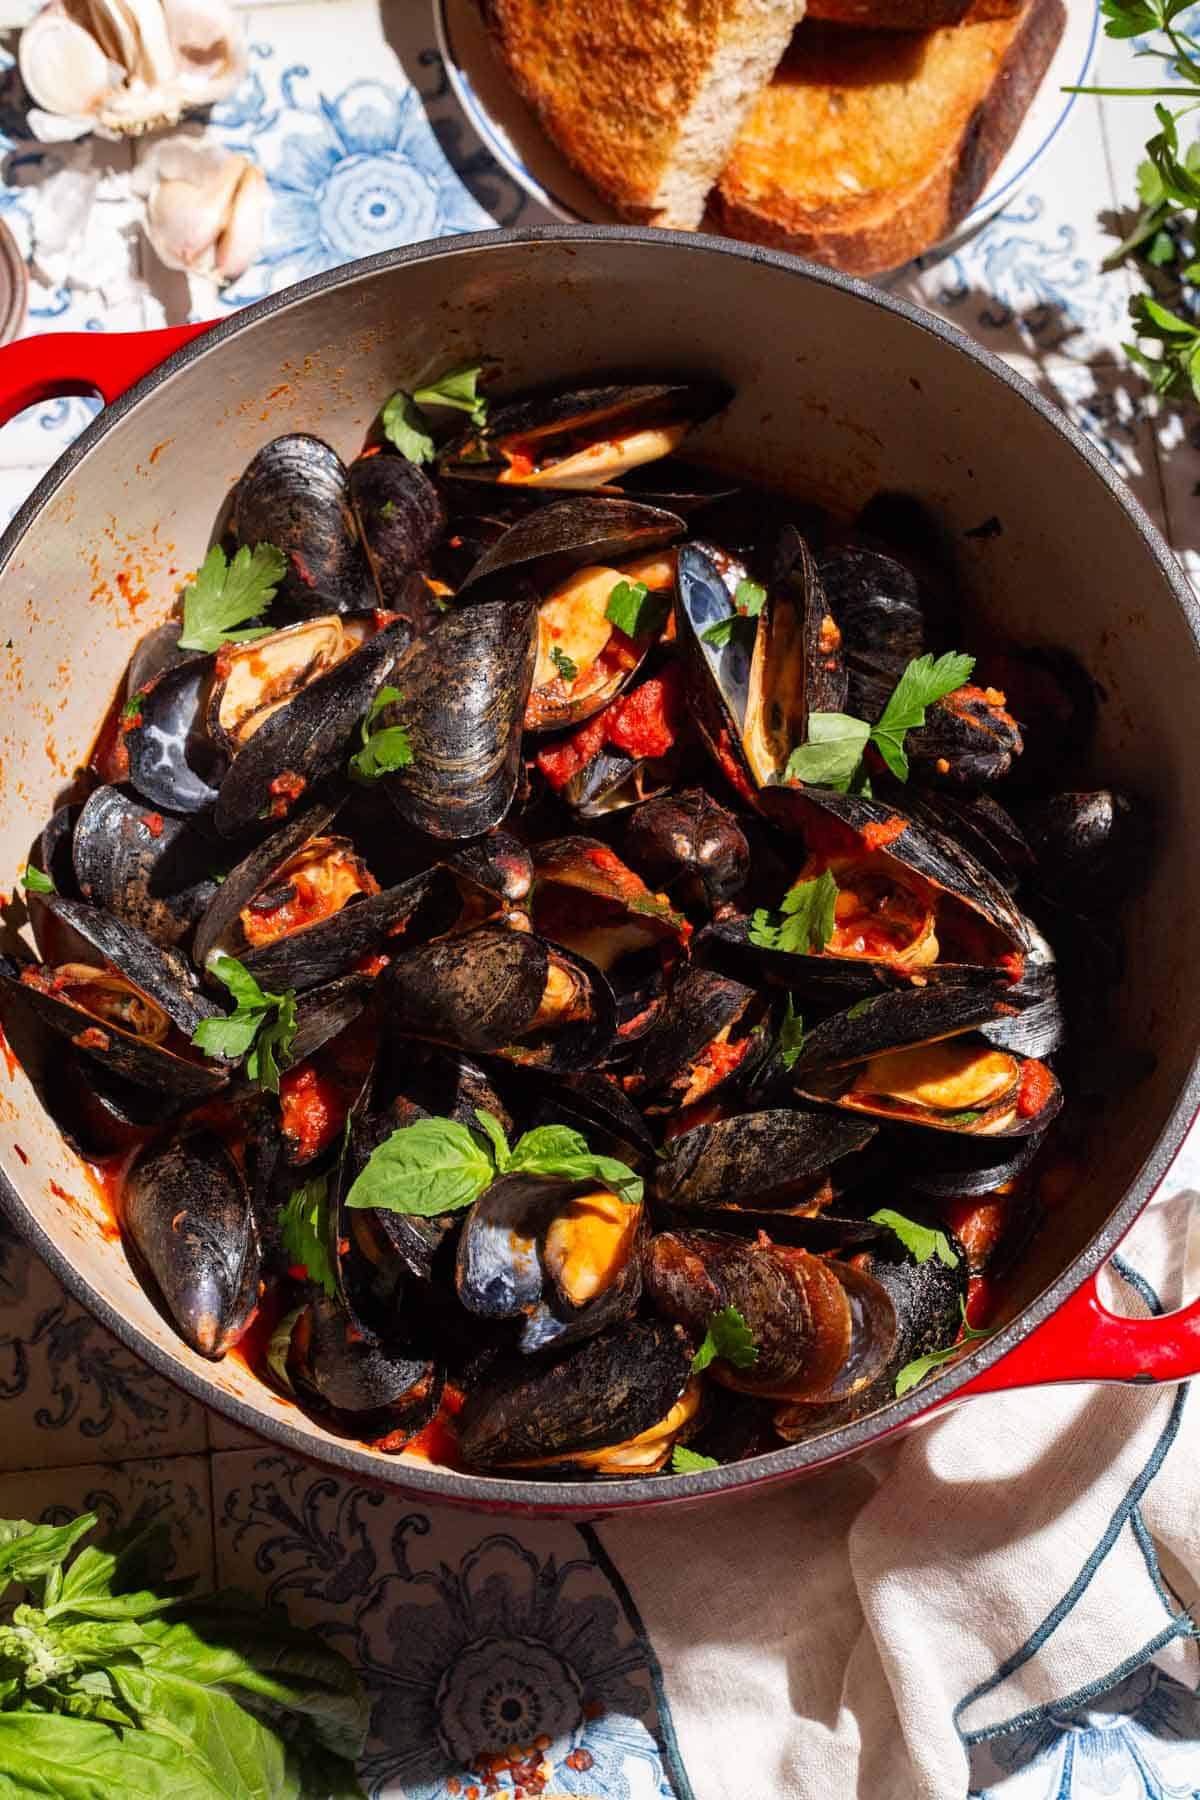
21	1154
877	836
287	788
1013	965
153	823
298	1271
1036	1090
374	963
302	569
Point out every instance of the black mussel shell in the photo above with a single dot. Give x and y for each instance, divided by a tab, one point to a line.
499	864
151	869
548	544
900	1017
686	843
414	1078
173	763
465	687
400	518
611	781
700	1006
797	579
681	487
323	1013
372	1387
483	992
295	494
977	822
598	1107
331	947
253	873
157	652
1049	690
54	854
600	1394
1091	848
968	736
507	1267
89	934
1039	1028
306	741
880	610
950	1167
186	1210
756	1159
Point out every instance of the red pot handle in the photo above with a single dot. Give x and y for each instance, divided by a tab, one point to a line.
1084	1341
83	362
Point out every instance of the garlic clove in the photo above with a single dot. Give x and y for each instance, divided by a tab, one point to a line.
241	240
208	44
64	68
206	207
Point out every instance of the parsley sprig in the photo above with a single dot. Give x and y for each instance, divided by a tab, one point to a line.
384	750
563	663
262	1024
690	1462
833	755
921	1241
304	1233
1165	239
405	424
729	1337
35	882
225	594
439	1165
633	609
791	1035
748	601
805	921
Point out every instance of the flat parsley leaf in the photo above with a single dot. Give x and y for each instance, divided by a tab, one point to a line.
806	922
382	751
459	388
304	1230
633	609
916	1371
562	662
728	1337
748	601
35	882
924	681
862	1006
690	1462
406	427
791	1034
921	1241
262	1024
225	594
834	749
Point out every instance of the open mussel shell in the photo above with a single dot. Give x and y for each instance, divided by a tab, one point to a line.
968	736
955	1166
686	843
369	1388
465	687
323	1013
927	1299
953	1085
547	545
1039	1027
295	494
611	780
187	1211
815	1333
173	763
586	1409
217	928
976	823
151	869
583	662
305	741
140	989
758	1159
680	487
563	1256
880	611
499	992
899	1018
581	438
589	902
331	947
401	517
708	1035
154	654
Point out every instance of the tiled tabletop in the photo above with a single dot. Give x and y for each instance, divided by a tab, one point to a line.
347	108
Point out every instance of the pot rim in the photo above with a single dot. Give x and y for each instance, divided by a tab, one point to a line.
496	1493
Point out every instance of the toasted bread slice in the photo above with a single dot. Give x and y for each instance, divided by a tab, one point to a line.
869	147
645	97
910	15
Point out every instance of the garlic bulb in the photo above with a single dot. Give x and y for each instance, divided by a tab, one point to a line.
122	67
205	207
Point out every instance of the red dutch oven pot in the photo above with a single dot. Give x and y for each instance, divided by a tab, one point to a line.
840	391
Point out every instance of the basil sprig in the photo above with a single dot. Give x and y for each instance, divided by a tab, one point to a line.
439	1165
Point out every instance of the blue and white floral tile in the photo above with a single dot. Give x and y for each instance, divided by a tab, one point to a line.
500	1660
1138	1741
69	1392
176	1490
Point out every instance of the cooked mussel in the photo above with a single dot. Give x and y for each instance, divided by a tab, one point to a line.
1090	848
505	993
598	1107
626	752
1038	1027
904	1018
465	685
253	681
187	1211
370	1389
298	745
969	736
549	544
819	1328
957	1084
581	438
583	659
564	1256
880	611
400	517
149	868
613	1405
710	1033
127	1003
756	1160
592	903
953	1165
686	843
173	762
295	494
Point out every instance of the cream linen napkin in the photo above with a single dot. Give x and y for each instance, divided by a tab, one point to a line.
849	1637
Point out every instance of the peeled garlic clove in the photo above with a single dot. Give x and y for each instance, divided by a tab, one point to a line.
205	207
241	240
63	67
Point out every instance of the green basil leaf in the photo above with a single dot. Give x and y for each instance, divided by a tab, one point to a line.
539	1151
29	1553
66	1758
606	1170
432	1167
490	1125
921	1241
304	1231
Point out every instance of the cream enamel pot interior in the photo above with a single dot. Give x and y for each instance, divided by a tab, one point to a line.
840	391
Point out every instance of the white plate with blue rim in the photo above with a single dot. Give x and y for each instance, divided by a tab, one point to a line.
513	136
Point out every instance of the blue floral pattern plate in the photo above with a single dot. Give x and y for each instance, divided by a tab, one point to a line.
512	135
